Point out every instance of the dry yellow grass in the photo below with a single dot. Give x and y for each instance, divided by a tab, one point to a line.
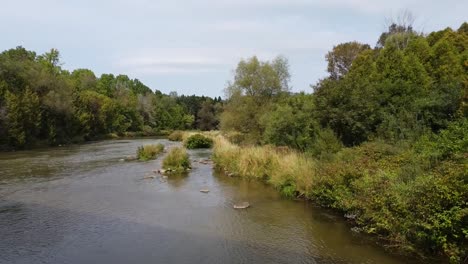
290	171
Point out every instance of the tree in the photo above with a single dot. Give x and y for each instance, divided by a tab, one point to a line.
262	80
51	60
206	119
291	123
400	31
342	56
106	84
23	116
256	86
83	79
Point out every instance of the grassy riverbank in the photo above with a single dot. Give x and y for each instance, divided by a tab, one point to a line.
413	197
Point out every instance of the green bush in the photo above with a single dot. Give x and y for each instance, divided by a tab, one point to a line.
176	136
198	141
177	160
148	152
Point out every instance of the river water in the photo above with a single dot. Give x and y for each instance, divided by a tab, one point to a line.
82	204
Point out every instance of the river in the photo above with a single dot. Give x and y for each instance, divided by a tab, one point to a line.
82	204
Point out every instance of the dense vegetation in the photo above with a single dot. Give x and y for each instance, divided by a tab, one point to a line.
41	103
177	160
148	152
198	141
383	138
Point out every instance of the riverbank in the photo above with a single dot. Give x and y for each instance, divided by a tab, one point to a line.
414	199
82	140
80	204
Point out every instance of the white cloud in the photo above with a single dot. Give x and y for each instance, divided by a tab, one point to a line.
185	60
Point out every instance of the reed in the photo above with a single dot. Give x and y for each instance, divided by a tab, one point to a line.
148	152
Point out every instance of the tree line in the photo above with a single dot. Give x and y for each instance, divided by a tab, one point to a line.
41	103
408	85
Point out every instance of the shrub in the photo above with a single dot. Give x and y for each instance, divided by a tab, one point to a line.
177	160
148	152
198	141
149	131
176	136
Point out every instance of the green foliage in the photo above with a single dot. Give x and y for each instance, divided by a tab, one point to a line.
148	152
23	118
291	123
177	160
40	102
342	57
207	116
198	141
256	86
398	92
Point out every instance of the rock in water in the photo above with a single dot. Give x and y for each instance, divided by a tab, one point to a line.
242	205
204	190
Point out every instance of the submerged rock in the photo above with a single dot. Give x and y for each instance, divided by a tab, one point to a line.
130	158
204	190
162	171
242	205
149	177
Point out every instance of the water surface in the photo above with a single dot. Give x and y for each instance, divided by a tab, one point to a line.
82	204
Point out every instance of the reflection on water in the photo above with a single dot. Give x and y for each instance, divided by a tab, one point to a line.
80	204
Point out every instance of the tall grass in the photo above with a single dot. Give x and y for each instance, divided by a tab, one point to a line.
148	152
289	171
177	160
176	135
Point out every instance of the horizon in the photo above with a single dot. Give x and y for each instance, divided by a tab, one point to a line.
194	50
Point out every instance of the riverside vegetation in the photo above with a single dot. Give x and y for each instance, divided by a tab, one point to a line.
176	161
383	138
148	152
198	141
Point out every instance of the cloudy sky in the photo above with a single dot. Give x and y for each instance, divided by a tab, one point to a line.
193	46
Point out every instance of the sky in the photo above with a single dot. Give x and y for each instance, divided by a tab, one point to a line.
193	46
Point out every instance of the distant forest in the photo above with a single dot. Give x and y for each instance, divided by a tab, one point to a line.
41	103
